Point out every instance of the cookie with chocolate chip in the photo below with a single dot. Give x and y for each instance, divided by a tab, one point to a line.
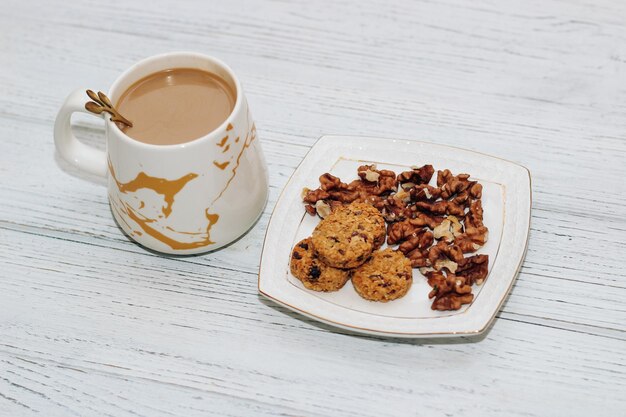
314	274
386	276
347	237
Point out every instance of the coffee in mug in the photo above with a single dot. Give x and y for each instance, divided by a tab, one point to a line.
189	176
176	105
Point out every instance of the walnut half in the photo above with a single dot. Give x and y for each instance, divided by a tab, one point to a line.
449	291
449	229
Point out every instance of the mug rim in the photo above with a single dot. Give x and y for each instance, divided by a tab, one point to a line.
130	70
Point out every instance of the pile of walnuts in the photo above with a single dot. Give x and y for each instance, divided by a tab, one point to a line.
435	227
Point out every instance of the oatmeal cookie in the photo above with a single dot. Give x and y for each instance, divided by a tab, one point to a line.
314	274
347	237
371	220
386	276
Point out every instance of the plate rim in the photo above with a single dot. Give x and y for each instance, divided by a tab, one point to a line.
381	332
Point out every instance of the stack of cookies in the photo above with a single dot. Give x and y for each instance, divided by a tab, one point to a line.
344	245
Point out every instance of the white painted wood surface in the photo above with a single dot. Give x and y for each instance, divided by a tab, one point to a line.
92	324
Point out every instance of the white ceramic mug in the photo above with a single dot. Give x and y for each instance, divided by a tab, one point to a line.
178	199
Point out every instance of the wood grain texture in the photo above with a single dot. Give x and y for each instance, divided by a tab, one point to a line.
92	324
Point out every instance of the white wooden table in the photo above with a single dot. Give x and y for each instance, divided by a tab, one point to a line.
92	324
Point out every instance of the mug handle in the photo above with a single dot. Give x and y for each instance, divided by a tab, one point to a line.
86	158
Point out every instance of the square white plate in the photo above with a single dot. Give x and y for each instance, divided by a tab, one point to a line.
506	202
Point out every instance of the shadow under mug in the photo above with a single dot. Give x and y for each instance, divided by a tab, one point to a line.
177	199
